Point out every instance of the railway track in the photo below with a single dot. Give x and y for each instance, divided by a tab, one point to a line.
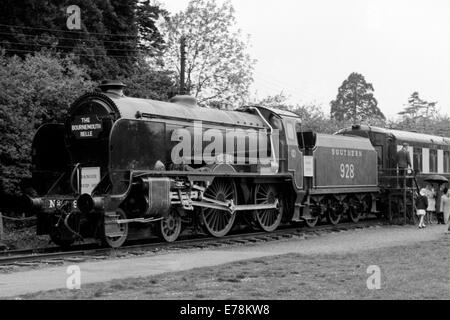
81	253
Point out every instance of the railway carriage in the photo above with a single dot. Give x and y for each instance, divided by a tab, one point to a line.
429	154
123	168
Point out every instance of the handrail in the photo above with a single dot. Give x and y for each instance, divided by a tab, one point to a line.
393	173
72	176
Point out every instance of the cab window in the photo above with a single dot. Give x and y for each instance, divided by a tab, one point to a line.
290	130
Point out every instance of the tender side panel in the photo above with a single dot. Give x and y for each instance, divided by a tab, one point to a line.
341	161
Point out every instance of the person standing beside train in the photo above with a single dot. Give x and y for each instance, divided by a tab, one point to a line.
445	204
421	206
442	190
431	196
403	162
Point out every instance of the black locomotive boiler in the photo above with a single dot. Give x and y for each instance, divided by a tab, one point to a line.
123	168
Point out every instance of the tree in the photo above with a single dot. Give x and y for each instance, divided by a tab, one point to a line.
278	100
113	33
440	126
148	14
218	70
418	113
36	89
311	115
150	81
422	116
355	101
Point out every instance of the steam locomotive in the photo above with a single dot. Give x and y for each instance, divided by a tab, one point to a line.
122	168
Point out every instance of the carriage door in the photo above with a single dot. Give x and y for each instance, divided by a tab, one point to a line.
392	152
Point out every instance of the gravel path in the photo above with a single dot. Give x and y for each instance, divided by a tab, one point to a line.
100	271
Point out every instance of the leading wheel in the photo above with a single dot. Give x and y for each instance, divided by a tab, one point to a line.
117	237
267	219
169	228
219	222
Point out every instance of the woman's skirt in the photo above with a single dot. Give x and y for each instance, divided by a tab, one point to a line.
420	212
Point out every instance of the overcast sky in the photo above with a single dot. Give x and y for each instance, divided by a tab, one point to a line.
306	48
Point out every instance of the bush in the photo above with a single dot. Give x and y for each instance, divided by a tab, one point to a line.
36	89
149	81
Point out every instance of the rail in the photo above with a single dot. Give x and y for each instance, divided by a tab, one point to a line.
27	257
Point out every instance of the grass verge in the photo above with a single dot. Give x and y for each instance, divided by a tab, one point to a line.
419	271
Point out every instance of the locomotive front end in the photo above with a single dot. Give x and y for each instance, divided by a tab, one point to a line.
69	160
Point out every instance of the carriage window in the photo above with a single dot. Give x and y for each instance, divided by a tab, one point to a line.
446	161
417	159
433	160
